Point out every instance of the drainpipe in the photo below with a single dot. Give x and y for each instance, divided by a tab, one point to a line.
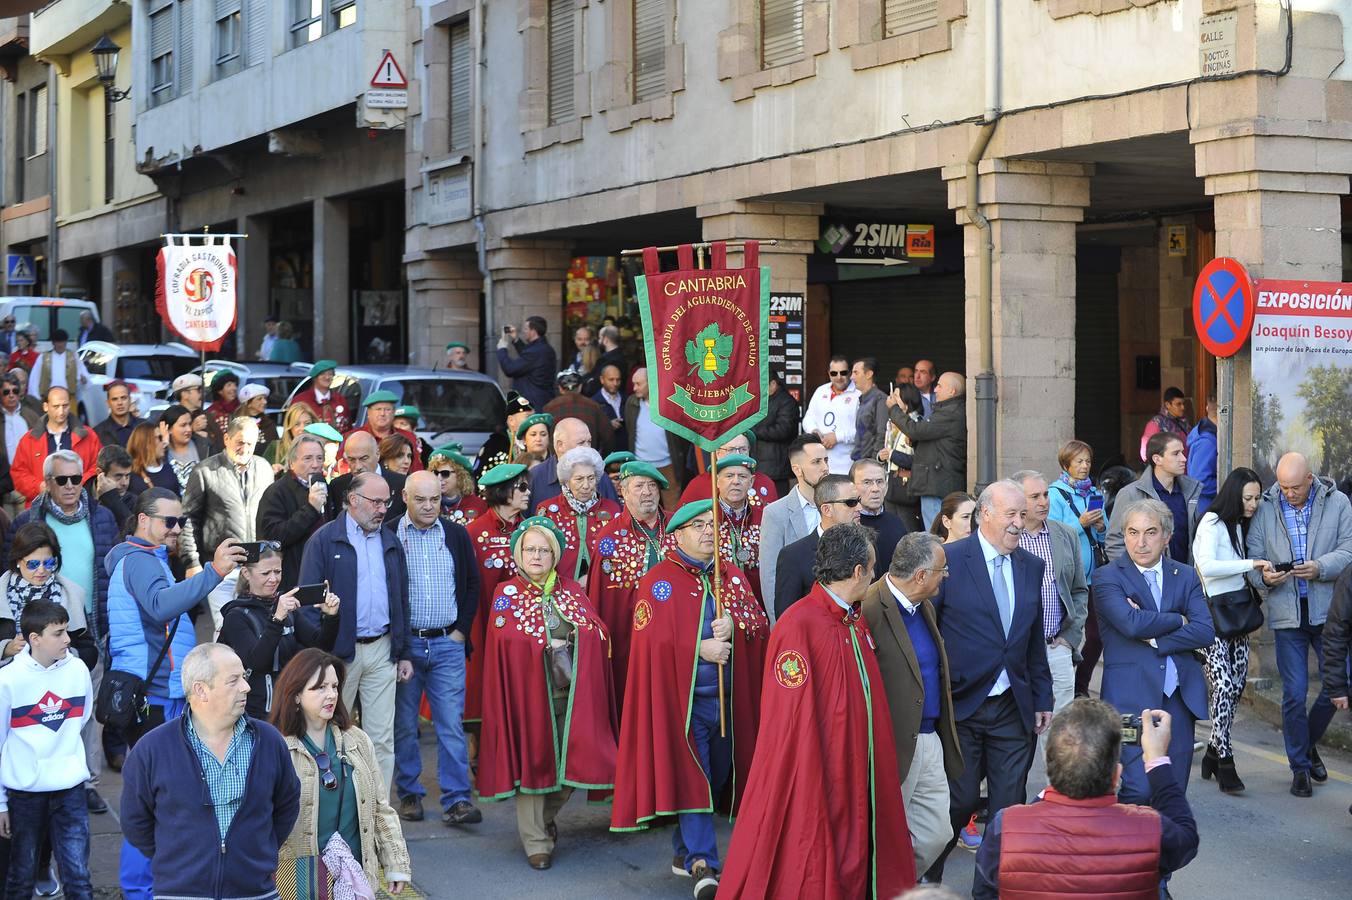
53	241
985	392
488	326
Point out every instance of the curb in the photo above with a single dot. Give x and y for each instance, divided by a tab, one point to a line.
1265	699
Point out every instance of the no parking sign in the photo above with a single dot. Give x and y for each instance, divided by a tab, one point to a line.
1223	304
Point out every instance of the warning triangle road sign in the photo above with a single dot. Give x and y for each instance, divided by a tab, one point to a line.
388	74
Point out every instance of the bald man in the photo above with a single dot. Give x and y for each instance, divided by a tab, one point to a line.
437	553
940	441
362	454
1306	523
544	478
58	430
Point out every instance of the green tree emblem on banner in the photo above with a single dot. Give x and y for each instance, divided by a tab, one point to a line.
709	354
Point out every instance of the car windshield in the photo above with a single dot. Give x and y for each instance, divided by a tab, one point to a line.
154	368
451	404
279	387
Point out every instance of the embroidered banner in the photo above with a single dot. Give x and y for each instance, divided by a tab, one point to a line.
195	289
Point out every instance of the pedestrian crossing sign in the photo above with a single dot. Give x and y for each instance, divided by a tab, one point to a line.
20	269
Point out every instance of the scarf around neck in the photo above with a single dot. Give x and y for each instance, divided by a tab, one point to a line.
47	507
22	592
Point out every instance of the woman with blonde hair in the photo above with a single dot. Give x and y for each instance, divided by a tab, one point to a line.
297	416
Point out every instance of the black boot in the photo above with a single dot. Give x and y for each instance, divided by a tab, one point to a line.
1226	776
1209	763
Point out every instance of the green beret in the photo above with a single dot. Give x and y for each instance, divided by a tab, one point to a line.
454	455
501	473
538	522
646	470
453	344
683	515
618	458
453	445
544	419
737	459
324	365
408	412
380	397
324	431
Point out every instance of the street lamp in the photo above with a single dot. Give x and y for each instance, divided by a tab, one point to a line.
105	61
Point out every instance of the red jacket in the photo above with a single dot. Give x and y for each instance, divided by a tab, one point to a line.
32	453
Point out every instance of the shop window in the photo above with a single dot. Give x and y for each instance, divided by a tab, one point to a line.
882	32
781	24
36	144
229	56
905	16
562	51
650	49
461	96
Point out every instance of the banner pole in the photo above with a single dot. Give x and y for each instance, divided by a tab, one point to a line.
718	585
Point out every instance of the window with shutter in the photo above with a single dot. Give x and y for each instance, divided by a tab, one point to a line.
905	16
161	52
342	13
37	130
461	72
307	21
256	20
185	48
650	49
781	31
562	21
229	35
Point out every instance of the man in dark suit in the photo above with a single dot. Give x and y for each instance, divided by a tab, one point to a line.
916	680
363	455
870	478
838	502
1152	614
295	505
990	615
93	331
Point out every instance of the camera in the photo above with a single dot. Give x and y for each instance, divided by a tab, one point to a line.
1131	729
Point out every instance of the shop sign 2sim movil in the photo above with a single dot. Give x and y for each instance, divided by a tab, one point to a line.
1302	374
882	244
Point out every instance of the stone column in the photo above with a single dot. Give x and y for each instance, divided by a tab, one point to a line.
332	300
1033	208
793	225
443	306
528	278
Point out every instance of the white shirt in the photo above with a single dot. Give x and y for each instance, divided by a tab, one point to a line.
15	426
990	553
265	348
613	401
902	599
828	411
812	515
1215	558
58	374
650	444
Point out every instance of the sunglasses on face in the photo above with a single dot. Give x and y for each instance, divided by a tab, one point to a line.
835	372
522	487
444	473
66	480
326	776
10	392
852	502
33	565
170	522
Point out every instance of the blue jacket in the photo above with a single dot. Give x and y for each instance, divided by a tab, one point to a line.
168	816
104	527
1067	507
329	556
1133	671
143	602
1202	461
532	371
975	641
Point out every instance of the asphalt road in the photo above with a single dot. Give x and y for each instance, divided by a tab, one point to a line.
1262	845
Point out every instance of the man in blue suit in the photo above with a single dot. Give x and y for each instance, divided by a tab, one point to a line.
1152	612
990	615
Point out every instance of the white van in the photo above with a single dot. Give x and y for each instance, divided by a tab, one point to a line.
47	314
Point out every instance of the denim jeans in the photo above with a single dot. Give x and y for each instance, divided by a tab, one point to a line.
1301	730
929	510
694	837
438	670
66	816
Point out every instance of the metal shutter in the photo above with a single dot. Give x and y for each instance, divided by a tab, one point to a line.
461	72
226	7
256	32
562	19
781	31
1098	396
185	30
905	16
650	49
897	321
161	32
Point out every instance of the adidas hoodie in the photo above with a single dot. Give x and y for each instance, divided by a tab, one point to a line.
41	713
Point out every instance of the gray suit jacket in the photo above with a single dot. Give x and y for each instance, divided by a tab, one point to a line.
782	523
216	508
1070	584
1143	488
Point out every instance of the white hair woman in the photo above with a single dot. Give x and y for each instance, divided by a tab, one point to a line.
579	512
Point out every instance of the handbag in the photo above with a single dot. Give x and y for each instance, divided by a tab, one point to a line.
1235	614
560	665
121	701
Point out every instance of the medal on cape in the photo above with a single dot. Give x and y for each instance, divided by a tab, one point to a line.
744	556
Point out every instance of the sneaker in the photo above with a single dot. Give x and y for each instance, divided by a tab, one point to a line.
706	880
411	809
462	813
678	865
49	886
96	804
970	837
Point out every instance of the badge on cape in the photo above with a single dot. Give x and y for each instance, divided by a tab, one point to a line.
790	669
501	604
509	590
662	591
606	547
499	621
643	614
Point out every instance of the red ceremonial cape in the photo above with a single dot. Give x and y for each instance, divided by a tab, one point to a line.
518	745
733	540
762	493
557	510
822	816
337	412
491	538
658	772
465	510
619	554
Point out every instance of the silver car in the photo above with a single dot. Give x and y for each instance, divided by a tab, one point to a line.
148	369
280	379
455	406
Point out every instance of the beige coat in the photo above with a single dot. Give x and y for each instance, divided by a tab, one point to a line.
382	839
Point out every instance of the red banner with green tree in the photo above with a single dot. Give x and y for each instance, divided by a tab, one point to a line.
706	336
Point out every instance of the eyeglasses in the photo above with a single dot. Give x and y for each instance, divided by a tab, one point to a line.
851	502
943	571
33	565
66	480
380	504
536	551
701	526
170	522
835	372
326	776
